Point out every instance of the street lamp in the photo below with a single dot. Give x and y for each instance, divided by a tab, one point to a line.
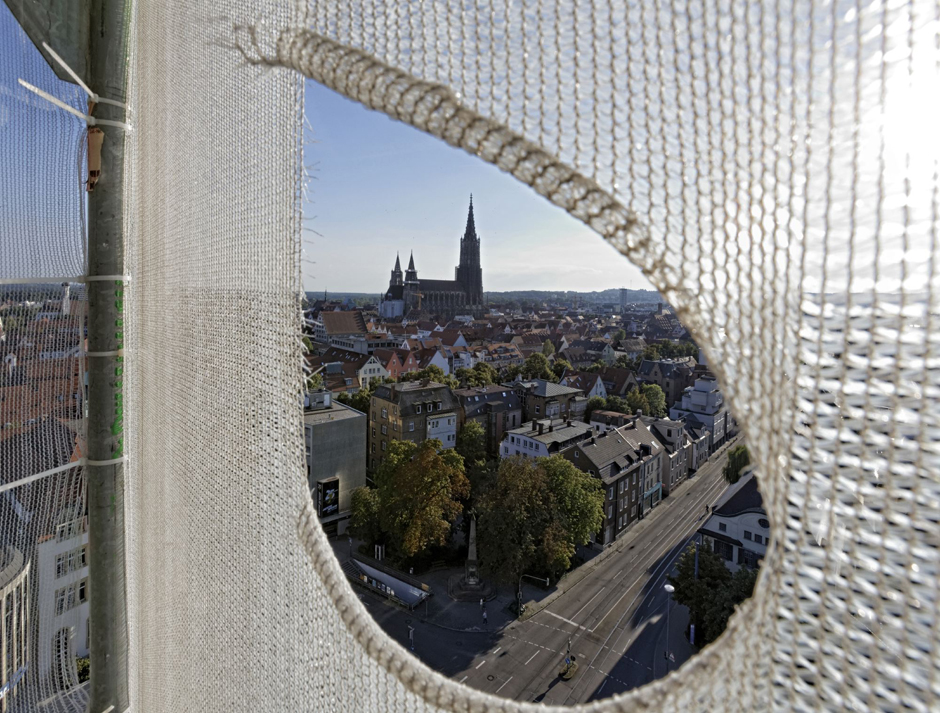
537	579
669	590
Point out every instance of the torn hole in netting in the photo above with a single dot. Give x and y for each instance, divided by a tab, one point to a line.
407	378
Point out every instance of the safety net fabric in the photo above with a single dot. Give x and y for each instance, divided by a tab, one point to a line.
772	168
44	594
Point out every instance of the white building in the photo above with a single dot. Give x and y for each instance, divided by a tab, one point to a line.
443	427
540	439
61	580
15	625
738	529
704	403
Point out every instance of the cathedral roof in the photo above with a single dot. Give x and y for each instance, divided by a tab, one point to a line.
440	286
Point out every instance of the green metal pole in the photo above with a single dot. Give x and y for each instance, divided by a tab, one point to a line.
105	428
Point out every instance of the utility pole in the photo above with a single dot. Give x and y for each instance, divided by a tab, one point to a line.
107	54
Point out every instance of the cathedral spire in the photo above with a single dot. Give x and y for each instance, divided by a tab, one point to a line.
471	231
397	263
411	262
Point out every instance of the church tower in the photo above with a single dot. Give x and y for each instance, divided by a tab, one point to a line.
411	275
396	274
469	272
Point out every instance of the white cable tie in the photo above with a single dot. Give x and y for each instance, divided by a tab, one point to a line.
112	461
78	80
116	352
90	120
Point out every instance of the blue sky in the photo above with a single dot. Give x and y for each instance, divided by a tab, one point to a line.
382	186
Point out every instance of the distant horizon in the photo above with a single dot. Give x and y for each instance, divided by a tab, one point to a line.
381	188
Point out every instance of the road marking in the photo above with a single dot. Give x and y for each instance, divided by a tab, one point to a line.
588	602
463	679
532	657
567	621
602	687
496	650
481	663
501	687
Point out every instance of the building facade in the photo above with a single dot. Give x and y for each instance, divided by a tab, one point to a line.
335	440
496	408
14	625
738	530
543	438
702	403
544	399
413	411
463	295
612	459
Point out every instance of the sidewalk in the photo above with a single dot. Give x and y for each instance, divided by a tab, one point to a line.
442	611
679	645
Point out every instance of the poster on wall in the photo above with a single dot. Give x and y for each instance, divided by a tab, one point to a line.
328	497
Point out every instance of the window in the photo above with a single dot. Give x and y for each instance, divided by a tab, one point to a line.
373	433
763	523
621	486
384	429
60	566
634	496
633	510
83	556
747	535
59	601
439	406
384	413
417	408
610	493
373	448
512	439
83	591
373	460
722	527
576	454
383	445
758	540
610	512
411	427
537	408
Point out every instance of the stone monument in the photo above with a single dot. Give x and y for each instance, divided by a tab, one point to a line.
470	586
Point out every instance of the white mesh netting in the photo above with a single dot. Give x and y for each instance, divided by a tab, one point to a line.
772	168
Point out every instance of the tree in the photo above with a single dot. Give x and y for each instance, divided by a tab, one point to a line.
548	348
651	352
421	487
364	515
83	668
625	362
738	459
362	399
713	595
431	373
594	403
597	366
535	515
655	398
481	374
636	401
471	446
536	366
619	335
560	367
315	381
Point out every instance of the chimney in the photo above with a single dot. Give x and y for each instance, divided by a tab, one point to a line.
569	424
639	412
551	427
541	428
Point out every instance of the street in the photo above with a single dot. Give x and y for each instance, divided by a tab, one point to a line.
614	617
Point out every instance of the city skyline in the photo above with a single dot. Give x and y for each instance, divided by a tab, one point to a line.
381	189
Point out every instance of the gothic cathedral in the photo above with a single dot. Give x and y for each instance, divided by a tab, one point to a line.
445	298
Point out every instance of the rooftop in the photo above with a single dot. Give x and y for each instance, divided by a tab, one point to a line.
741	497
553	430
541	387
336	412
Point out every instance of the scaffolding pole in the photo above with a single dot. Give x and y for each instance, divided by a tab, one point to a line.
107	54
